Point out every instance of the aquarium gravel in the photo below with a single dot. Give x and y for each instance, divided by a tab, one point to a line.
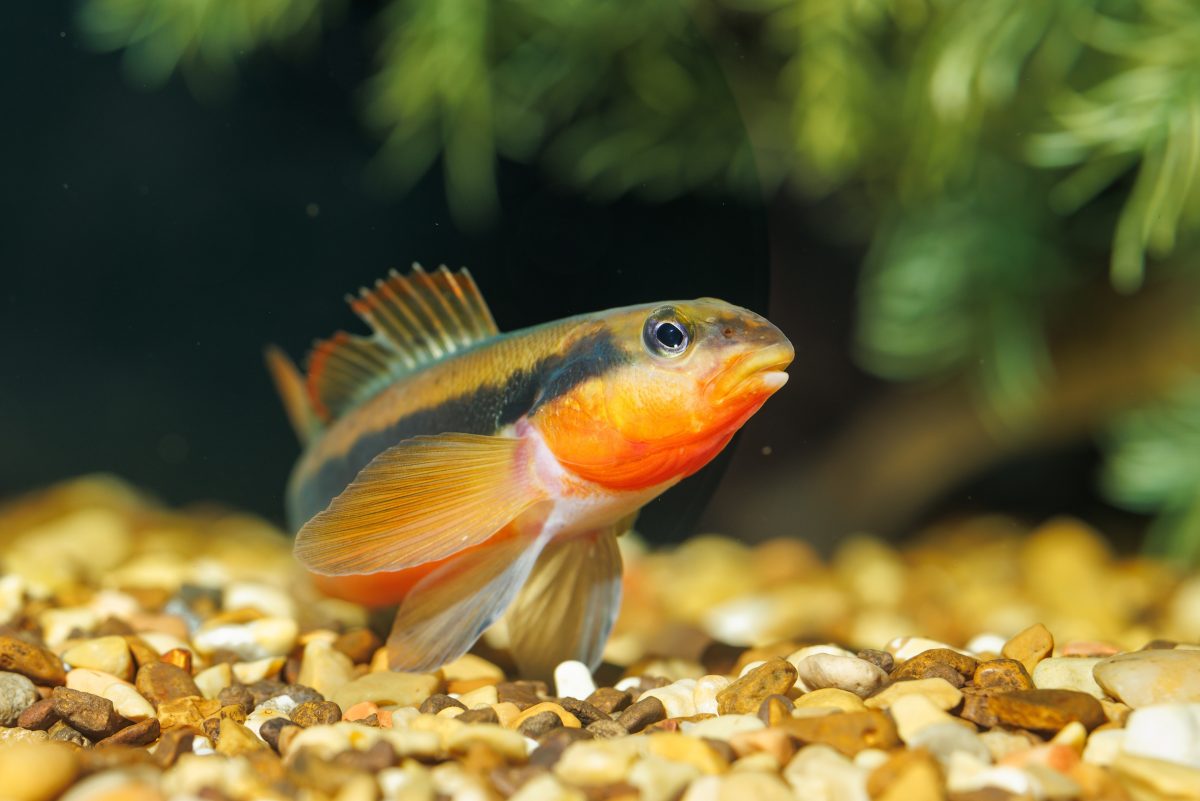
149	654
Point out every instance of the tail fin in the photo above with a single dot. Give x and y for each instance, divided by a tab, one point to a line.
290	385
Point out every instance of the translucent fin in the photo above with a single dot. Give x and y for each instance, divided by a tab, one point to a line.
290	386
419	501
448	610
567	608
415	319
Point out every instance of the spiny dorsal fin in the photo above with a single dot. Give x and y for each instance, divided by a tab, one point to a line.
415	319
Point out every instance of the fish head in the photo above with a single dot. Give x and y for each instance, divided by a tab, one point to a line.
682	378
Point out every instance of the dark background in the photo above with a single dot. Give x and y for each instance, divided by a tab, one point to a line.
151	245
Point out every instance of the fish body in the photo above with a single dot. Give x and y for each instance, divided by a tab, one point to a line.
466	474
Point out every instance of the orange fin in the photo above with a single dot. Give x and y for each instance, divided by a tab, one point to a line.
567	608
448	610
290	386
419	501
415	319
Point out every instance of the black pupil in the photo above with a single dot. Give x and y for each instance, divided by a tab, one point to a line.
670	335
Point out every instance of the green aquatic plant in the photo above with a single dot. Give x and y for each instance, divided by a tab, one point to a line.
996	158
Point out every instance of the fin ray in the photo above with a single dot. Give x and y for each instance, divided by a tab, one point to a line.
448	610
567	608
419	501
414	319
290	386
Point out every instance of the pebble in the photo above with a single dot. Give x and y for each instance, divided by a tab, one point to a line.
776	708
693	751
36	772
358	644
324	668
1158	676
947	739
1068	673
910	775
211	681
595	763
159	682
678	697
610	700
1002	674
905	648
827	698
387	688
798	656
912	712
39	715
941	693
573	679
258	639
848	732
316	713
565	718
269	600
746	694
17	693
657	779
704	697
141	733
850	673
1168	732
106	654
645	712
937	662
35	662
1046	710
821	772
1157	779
257	671
1103	746
93	716
1029	646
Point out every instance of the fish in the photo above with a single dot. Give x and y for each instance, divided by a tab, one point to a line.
468	476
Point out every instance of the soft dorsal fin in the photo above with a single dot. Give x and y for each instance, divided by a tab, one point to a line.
415	319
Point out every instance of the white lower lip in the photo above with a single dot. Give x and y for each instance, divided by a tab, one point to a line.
773	379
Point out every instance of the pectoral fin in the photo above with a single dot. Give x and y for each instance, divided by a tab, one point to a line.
448	610
419	501
567	608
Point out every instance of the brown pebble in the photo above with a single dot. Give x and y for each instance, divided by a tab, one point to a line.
265	690
238	695
1046	710
358	644
371	720
775	709
1002	674
113	757
510	778
271	728
537	725
745	695
64	733
211	728
481	759
642	714
720	658
301	693
919	666
482	715
143	654
437	702
880	659
610	700
552	744
848	732
39	716
180	658
379	756
607	729
1030	646
976	707
143	732
163	681
582	710
189	711
171	744
522	693
90	714
36	663
236	740
316	713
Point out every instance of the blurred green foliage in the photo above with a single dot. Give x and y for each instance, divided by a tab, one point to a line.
995	154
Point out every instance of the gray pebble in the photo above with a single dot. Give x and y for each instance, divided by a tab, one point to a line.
17	694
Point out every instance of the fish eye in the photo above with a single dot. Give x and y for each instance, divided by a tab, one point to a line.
666	333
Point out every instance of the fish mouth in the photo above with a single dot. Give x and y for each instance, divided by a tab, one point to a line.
759	371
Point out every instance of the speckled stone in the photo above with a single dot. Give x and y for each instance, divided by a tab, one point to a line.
1046	710
745	695
17	693
1002	674
35	662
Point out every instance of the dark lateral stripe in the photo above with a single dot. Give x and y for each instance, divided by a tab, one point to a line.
485	410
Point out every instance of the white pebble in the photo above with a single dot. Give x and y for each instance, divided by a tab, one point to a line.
1068	673
820	772
677	697
1170	732
251	595
1104	746
905	648
722	728
12	594
850	673
986	644
202	746
799	656
705	694
268	636
628	683
573	679
950	740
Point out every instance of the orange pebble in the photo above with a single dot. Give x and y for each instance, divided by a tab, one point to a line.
364	709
